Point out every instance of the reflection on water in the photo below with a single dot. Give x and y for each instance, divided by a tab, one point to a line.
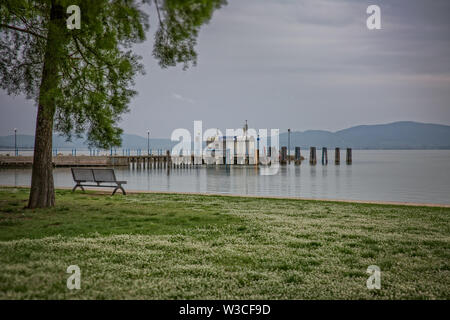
409	176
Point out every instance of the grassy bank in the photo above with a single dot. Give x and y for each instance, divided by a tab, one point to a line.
168	246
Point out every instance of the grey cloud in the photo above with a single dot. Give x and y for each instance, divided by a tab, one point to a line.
306	64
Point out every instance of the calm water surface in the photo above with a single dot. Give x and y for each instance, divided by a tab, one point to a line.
406	176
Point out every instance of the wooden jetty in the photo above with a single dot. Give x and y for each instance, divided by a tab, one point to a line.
168	161
83	161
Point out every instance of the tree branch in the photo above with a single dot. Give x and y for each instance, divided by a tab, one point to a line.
95	53
81	52
22	30
157	10
28	64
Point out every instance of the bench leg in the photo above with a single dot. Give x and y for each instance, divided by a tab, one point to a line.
76	186
117	188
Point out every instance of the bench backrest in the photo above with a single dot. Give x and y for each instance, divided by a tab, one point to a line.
93	175
104	175
82	175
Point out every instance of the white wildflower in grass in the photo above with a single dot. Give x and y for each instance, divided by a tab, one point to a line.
161	246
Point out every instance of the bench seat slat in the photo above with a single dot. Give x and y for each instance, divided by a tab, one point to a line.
118	182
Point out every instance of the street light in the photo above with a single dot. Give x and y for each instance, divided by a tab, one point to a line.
15	142
289	145
148	142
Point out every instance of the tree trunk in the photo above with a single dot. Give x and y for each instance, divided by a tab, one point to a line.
42	193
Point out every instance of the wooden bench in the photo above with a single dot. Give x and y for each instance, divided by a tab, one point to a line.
98	176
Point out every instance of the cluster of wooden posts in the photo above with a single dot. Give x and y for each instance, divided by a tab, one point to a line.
168	161
148	161
285	158
337	156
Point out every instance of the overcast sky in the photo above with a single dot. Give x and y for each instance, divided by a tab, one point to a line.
300	64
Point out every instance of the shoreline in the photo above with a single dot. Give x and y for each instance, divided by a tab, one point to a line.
377	202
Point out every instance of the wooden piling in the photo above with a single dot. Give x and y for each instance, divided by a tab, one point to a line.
297	156
324	156
349	156
235	150
283	156
337	156
169	158
312	156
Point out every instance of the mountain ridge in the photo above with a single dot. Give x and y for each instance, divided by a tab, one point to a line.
394	135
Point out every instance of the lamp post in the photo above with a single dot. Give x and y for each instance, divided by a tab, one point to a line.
289	145
15	142
148	142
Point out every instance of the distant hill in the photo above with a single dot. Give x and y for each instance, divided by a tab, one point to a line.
397	135
129	141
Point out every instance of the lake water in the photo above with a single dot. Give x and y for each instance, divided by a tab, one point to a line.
385	175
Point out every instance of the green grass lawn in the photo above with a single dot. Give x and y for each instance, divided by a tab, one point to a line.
169	246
